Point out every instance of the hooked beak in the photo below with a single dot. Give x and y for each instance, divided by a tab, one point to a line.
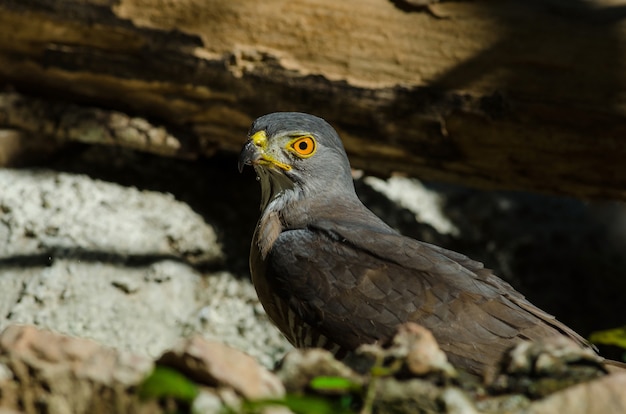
249	155
254	153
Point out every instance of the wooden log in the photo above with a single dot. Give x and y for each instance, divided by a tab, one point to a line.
510	94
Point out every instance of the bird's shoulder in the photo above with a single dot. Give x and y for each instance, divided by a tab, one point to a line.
372	238
355	268
343	250
332	271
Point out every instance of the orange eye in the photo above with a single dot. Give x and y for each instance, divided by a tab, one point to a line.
304	146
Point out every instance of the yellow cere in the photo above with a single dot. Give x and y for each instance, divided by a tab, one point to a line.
260	140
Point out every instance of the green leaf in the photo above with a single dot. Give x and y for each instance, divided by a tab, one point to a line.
299	404
615	336
167	382
333	384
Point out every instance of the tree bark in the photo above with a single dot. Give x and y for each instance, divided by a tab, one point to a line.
517	94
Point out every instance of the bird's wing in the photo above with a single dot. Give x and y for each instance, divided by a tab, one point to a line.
356	284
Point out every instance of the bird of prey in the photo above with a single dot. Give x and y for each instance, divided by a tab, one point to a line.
331	274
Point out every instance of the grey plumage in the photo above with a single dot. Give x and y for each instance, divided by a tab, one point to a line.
346	276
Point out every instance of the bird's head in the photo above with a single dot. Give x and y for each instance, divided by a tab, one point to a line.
296	151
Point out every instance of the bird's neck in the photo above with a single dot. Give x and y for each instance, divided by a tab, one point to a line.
277	194
276	190
286	205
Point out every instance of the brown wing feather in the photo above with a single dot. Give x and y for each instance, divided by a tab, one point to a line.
356	284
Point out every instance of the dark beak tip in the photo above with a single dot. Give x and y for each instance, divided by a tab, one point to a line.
247	155
241	164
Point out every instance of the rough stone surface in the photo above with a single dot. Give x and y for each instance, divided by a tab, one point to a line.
417	347
231	313
213	363
540	368
128	268
48	372
44	371
50	214
604	395
56	374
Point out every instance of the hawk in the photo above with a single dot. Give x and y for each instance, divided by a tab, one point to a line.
332	274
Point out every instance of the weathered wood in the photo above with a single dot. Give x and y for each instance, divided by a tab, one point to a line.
505	94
